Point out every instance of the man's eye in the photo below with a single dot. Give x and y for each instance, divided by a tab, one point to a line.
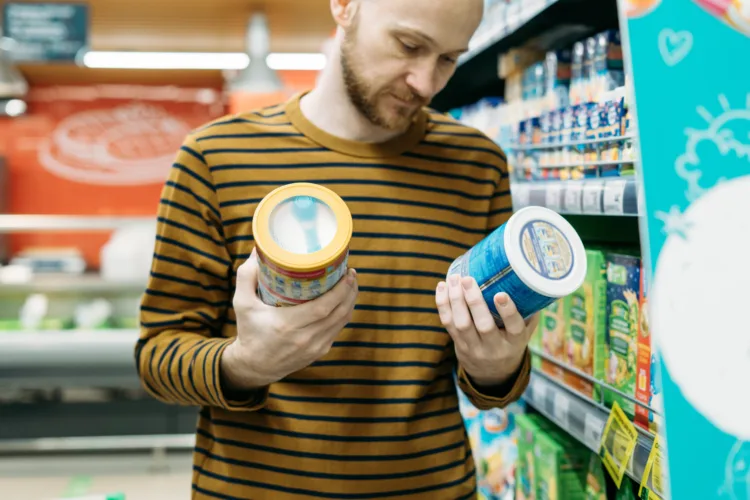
409	49
450	60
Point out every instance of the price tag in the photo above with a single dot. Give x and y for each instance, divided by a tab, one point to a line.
652	483
613	198
618	443
573	197
562	405
553	196
592	431
540	392
592	197
521	195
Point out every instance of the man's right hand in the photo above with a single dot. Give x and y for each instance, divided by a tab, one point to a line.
273	342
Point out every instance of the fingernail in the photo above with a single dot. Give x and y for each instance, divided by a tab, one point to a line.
502	299
466	283
351	275
454	279
441	287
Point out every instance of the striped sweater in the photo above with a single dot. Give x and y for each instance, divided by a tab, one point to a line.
378	416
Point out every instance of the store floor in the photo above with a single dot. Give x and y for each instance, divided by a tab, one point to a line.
138	476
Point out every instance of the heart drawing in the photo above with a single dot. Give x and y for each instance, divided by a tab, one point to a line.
674	46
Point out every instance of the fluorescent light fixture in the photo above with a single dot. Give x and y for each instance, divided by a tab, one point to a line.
291	61
198	60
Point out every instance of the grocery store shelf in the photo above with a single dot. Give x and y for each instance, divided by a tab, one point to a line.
71	284
99	443
601	196
589	164
582	418
543	24
43	359
56	223
559	145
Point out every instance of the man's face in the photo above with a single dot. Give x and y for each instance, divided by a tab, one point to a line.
397	55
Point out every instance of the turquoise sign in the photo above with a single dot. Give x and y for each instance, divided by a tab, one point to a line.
690	65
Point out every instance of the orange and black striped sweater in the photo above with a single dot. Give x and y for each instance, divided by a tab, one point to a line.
378	416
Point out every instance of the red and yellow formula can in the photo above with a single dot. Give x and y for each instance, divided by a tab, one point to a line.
302	233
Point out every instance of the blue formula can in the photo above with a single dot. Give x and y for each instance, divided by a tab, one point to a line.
536	258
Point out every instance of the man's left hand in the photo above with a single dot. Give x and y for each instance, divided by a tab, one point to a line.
490	355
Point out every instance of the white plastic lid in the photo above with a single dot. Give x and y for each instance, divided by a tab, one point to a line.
545	252
302	224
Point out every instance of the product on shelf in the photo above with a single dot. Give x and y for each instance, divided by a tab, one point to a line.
623	304
536	258
553	327
608	73
552	465
302	234
586	335
626	490
647	388
596	485
498	453
492	435
577	82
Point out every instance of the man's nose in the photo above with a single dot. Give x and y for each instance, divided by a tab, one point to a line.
422	79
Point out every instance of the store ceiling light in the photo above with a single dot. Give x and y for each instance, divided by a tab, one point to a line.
198	60
165	60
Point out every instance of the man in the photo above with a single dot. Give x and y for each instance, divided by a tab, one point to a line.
350	395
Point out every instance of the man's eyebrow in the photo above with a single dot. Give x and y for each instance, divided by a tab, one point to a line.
405	30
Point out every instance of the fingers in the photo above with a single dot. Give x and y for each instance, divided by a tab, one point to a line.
484	323
246	287
455	315
322	307
342	313
513	321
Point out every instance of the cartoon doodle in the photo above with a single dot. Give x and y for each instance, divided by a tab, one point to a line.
737	473
719	152
700	313
674	46
674	222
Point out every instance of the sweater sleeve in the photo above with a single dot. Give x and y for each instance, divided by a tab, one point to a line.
497	397
189	292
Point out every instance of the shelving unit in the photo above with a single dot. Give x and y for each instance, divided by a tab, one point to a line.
546	24
615	196
68	358
582	417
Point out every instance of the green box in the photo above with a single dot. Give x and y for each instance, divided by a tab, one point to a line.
551	464
623	307
586	334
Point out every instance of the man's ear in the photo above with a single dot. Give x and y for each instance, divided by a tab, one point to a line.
343	12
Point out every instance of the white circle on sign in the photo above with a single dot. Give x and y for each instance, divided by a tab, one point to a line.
698	305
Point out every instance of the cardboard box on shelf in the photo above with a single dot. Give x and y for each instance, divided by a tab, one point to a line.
518	59
623	304
586	335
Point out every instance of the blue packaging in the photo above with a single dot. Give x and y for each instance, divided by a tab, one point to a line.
536	258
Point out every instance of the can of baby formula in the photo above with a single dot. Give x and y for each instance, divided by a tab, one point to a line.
536	258
302	233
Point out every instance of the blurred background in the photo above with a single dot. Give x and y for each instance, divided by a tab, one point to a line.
95	100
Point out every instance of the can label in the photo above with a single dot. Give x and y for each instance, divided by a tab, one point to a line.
546	250
278	287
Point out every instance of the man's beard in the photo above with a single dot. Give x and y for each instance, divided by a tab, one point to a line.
361	95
